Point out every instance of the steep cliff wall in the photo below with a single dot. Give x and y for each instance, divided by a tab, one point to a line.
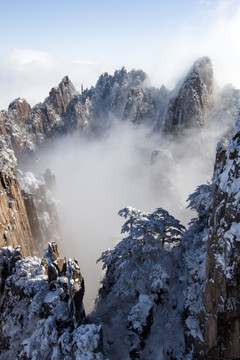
222	292
14	221
212	306
190	107
28	213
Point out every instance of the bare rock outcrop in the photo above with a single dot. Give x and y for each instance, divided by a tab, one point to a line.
28	127
60	97
15	123
190	107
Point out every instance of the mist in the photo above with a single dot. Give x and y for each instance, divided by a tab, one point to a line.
97	177
94	180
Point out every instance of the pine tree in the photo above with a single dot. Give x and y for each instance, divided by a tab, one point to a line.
138	255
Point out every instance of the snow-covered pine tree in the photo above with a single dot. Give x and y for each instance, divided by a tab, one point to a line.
137	277
157	226
147	235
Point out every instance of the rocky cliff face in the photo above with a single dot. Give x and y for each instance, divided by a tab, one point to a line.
222	299
27	127
15	125
28	212
14	221
189	109
60	97
42	208
212	304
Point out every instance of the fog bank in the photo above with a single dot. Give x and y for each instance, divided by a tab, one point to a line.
96	178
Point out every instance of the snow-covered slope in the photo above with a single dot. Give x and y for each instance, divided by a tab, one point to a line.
42	315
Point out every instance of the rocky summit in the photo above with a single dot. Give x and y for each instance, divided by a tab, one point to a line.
191	105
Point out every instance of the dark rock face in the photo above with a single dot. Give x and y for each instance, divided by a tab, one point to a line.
222	292
190	107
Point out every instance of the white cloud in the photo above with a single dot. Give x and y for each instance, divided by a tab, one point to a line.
220	42
213	32
27	73
22	58
30	74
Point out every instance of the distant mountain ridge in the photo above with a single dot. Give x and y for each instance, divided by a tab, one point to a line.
124	96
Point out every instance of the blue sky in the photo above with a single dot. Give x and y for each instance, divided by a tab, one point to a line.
42	41
73	23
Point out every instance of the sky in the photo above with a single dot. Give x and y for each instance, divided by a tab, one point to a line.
42	41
